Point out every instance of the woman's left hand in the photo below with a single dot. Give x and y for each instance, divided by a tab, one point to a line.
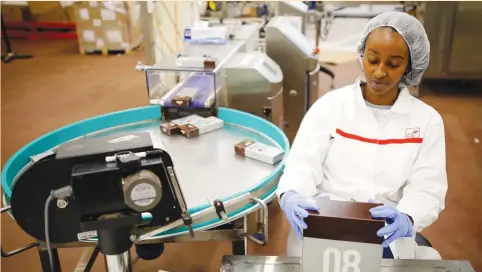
399	224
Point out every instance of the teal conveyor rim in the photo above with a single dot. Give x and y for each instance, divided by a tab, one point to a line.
216	220
54	138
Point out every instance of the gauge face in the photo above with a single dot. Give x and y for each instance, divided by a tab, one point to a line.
142	191
143	194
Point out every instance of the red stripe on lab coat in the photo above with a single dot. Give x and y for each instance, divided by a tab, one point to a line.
380	142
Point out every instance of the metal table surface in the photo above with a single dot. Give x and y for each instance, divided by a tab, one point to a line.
206	166
220	52
293	264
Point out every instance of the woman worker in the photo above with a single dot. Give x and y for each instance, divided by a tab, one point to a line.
373	141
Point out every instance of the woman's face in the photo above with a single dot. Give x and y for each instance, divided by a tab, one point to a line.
385	60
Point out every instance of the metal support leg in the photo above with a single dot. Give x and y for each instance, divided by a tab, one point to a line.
87	259
239	243
9	56
44	259
261	235
238	247
92	259
118	263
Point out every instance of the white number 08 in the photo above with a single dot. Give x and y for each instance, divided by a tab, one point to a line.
349	263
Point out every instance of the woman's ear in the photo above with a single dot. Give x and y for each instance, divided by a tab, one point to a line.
407	71
360	61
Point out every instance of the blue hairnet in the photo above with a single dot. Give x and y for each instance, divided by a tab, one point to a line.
414	34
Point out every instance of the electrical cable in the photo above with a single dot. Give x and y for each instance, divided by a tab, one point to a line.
47	232
54	194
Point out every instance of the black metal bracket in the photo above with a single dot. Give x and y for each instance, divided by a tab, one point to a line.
16	251
6	209
22	249
10	55
330	73
220	211
187	220
92	259
267	111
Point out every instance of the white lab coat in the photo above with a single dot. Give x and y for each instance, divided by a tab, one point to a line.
342	151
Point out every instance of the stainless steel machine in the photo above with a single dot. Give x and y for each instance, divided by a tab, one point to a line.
239	78
295	9
296	56
455	35
293	264
191	82
247	30
254	84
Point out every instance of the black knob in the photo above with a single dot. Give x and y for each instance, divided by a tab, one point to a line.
267	111
128	162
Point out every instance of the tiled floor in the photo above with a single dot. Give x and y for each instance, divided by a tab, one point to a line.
59	86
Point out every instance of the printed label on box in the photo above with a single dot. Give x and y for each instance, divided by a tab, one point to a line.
264	153
107	15
208	124
114	36
97	22
100	43
321	255
88	35
187	34
93	3
86	235
84	14
187	120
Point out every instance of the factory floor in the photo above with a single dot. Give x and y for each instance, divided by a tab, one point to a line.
59	86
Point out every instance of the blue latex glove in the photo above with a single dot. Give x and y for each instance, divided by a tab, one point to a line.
399	224
294	206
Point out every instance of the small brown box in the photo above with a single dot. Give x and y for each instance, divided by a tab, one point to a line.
210	64
170	129
344	221
189	130
181	101
239	148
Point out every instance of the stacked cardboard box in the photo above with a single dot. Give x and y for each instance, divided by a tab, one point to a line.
51	11
14	12
38	11
107	26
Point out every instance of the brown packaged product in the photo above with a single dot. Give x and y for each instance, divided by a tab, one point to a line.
170	129
210	64
239	148
181	101
344	221
189	130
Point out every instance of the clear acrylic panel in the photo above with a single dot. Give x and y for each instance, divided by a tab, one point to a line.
173	85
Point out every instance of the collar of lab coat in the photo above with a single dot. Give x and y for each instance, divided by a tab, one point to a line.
401	106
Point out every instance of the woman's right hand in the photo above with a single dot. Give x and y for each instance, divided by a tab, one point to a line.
294	206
